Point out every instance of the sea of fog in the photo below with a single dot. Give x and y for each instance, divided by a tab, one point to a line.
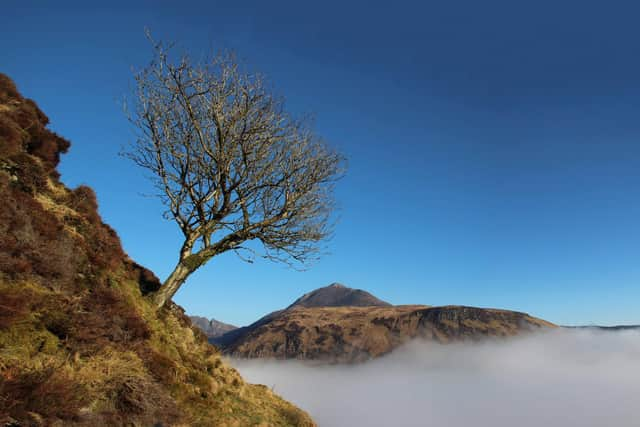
565	378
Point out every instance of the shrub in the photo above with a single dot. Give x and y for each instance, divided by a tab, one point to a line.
8	88
147	281
83	200
161	367
49	392
25	124
34	241
11	137
14	306
105	318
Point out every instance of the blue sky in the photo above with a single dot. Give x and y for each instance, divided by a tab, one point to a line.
494	147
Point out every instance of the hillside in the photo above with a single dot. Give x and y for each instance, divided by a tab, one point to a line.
353	334
334	295
79	342
212	328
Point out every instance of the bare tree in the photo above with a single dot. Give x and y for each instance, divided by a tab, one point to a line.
231	165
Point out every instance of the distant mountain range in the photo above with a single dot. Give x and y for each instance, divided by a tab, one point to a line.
607	328
340	324
211	327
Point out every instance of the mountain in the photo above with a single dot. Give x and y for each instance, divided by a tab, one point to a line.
80	344
334	295
338	295
351	333
615	328
212	328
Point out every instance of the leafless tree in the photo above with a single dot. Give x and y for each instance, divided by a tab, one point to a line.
231	165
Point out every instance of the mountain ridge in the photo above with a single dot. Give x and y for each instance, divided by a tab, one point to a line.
612	328
333	295
212	328
348	333
338	295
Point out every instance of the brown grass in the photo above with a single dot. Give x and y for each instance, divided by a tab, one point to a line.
50	392
79	344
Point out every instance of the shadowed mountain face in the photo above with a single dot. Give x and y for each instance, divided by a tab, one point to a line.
351	333
212	328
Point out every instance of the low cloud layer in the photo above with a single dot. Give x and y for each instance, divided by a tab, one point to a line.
567	378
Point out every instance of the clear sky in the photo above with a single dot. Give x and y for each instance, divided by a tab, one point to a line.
494	146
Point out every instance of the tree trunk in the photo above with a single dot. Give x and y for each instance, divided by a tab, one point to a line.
171	285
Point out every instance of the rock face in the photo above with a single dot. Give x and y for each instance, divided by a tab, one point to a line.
80	345
355	333
212	328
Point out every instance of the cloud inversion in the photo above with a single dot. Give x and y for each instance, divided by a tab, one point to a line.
566	378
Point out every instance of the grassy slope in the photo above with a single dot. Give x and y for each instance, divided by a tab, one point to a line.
79	343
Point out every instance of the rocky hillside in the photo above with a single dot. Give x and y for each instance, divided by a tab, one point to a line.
334	295
80	345
353	334
212	328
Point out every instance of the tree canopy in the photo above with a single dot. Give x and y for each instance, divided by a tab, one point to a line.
230	164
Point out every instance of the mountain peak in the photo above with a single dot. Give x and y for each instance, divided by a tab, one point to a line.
211	327
338	295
